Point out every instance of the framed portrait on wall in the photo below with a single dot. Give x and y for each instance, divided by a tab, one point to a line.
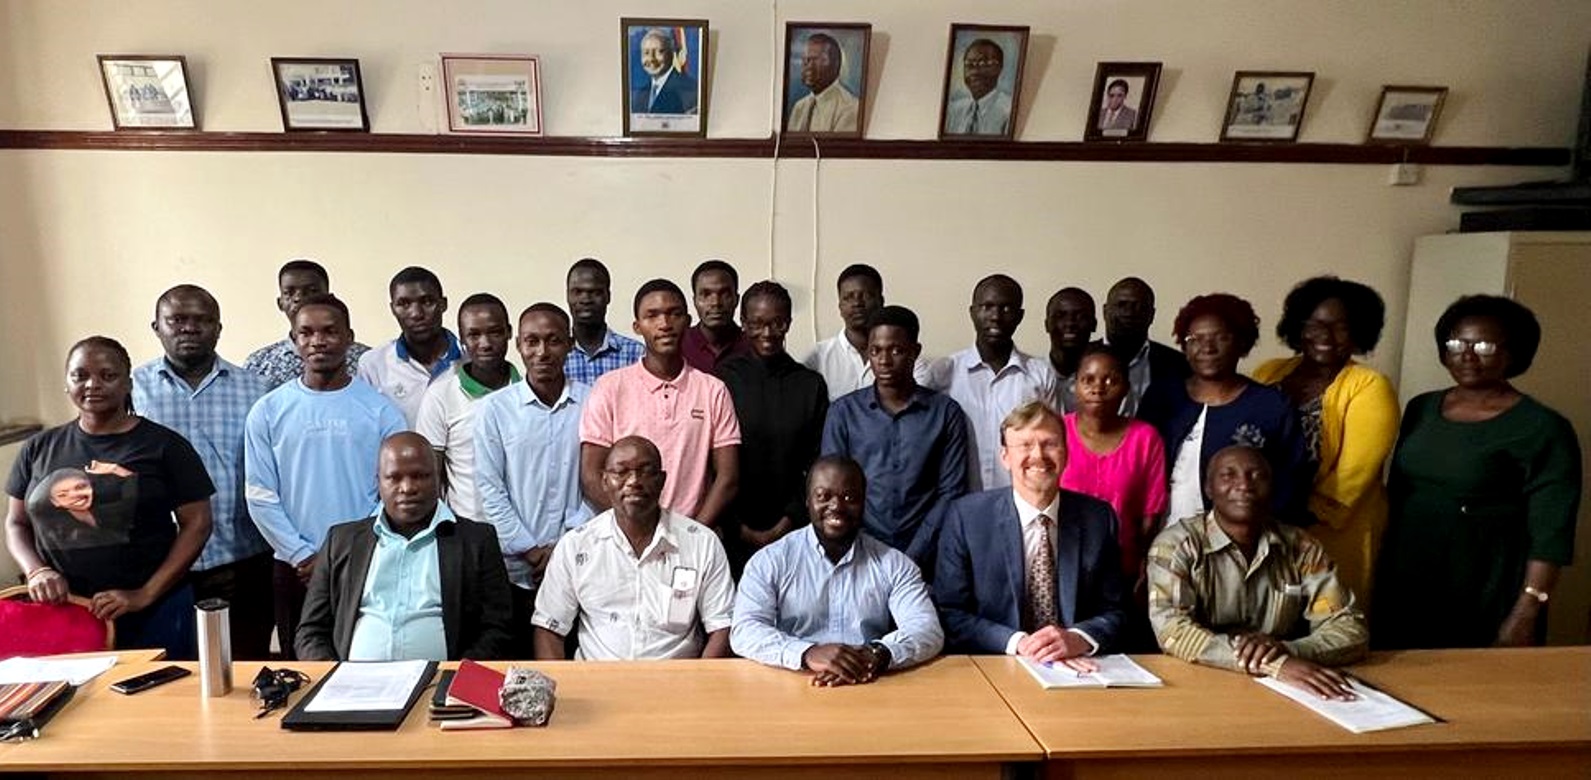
825	78
1123	99
665	76
492	94
1406	114
983	80
320	94
1266	105
147	92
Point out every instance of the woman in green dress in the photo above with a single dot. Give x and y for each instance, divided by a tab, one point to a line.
1484	490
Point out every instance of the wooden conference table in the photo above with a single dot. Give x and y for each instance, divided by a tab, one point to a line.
1507	712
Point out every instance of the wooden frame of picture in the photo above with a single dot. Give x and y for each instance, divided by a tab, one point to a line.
148	91
679	111
1252	108
961	114
848	114
1409	122
320	94
504	96
1131	120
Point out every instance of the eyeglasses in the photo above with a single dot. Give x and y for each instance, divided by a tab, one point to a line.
1480	348
1221	339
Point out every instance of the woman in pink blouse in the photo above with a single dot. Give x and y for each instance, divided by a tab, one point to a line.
1116	459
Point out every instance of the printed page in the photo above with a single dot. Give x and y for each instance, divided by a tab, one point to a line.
1372	711
361	687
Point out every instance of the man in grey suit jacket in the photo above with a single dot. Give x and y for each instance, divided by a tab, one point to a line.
413	582
1031	570
1114	115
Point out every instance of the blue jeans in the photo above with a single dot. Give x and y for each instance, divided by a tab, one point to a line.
167	624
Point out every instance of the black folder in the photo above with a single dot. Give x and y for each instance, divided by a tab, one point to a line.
298	719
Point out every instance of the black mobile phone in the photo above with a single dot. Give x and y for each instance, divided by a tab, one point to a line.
144	682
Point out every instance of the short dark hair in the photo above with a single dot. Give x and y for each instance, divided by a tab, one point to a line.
115	348
481	300
186	290
829	43
1114	83
998	49
1521	329
544	307
863	270
711	266
1102	350
766	289
1000	280
895	316
837	461
303	265
321	299
656	286
413	275
1237	314
1367	313
589	264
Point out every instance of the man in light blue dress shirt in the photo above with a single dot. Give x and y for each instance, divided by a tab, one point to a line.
193	391
527	457
831	600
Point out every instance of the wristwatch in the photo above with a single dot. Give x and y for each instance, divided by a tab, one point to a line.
1539	595
881	655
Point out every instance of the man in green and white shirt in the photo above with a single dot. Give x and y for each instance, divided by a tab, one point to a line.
447	413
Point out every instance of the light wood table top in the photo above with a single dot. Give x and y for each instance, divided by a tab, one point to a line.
1494	698
681	713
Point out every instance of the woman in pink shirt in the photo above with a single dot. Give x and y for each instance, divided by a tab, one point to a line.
1116	459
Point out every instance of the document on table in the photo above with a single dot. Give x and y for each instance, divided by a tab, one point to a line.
1372	711
1115	671
73	670
368	686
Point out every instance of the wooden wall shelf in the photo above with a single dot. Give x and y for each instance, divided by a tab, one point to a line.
790	147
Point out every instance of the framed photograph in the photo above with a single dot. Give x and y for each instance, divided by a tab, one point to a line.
983	79
320	94
665	76
147	92
1266	105
1123	98
1406	114
825	78
492	94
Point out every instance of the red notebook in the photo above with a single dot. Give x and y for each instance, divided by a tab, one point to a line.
477	686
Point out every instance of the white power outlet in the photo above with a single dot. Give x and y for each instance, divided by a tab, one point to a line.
426	97
1404	175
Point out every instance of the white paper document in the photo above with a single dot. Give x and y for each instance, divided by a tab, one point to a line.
364	686
1372	711
73	670
1115	671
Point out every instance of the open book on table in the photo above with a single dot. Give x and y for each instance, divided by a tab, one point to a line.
1115	671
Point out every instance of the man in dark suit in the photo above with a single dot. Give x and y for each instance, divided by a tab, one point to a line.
666	90
413	582
1129	311
1031	570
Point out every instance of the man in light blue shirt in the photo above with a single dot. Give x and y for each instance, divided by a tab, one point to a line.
194	392
527	457
832	600
412	583
309	453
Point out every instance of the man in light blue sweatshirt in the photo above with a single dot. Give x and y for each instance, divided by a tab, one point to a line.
309	453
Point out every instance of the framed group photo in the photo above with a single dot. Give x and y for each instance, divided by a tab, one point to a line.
983	80
320	94
665	76
147	92
1123	98
825	78
1406	114
1266	105
492	94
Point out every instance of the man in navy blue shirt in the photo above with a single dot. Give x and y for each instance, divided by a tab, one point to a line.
910	440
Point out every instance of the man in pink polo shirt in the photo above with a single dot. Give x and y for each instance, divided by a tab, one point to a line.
687	413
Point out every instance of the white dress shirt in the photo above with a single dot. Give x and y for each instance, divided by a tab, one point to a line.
845	369
987	396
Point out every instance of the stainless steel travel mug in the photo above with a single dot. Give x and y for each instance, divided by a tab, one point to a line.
215	647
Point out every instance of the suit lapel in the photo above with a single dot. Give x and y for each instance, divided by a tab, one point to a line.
1067	555
1009	527
353	589
450	566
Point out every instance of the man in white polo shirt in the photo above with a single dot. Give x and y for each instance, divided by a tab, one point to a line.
639	582
423	352
447	414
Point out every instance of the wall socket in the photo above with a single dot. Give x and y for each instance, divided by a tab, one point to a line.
426	97
1404	175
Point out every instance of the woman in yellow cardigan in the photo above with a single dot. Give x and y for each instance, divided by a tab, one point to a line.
1348	412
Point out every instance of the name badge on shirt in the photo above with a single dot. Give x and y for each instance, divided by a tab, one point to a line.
1293	590
682	596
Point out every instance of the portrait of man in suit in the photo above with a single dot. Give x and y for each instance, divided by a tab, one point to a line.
825	78
982	79
665	64
1115	114
1123	98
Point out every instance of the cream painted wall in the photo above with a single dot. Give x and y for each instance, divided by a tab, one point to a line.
88	239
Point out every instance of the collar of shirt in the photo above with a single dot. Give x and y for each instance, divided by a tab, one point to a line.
969	361
1216	540
564	397
656	383
988	102
919	400
1027	514
1143	351
220	368
663	537
448	359
815	542
609	344
658	81
385	534
475	389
